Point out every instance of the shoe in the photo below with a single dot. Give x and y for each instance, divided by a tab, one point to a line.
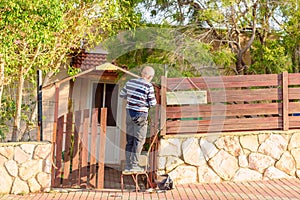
126	171
137	169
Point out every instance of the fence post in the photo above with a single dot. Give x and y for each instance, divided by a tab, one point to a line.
285	101
55	115
93	148
100	184
163	104
67	153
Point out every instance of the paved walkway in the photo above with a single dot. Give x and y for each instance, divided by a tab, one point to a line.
276	189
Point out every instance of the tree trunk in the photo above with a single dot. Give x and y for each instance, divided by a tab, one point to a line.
24	136
17	119
1	78
296	59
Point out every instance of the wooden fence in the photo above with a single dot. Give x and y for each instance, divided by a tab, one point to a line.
234	103
79	150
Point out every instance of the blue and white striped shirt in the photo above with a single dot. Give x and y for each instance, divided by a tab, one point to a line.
139	94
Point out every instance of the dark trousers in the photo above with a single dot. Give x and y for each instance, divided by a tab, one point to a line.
136	132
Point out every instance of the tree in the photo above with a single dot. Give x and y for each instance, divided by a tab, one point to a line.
38	34
291	36
240	25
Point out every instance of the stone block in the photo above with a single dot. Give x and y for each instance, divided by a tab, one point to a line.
2	160
172	162
294	141
260	162
207	175
209	149
12	168
184	174
170	147
19	187
161	163
286	163
30	168
192	153
28	148
5	181
245	174
249	142
44	180
7	152
274	146
296	154
224	164
34	186
230	144
274	173
243	162
21	156
47	166
42	151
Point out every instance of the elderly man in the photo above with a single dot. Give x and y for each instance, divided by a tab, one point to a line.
139	94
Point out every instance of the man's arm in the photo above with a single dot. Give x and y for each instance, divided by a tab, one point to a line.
123	93
151	97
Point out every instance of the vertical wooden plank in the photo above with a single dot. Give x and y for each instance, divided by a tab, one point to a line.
76	150
93	147
163	104
55	115
100	184
84	147
285	101
58	152
153	175
67	154
150	156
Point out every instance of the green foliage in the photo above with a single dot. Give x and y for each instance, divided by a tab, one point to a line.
38	34
7	110
230	24
269	58
73	71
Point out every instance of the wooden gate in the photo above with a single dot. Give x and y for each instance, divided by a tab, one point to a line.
79	150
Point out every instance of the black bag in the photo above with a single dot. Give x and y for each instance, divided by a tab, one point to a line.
166	183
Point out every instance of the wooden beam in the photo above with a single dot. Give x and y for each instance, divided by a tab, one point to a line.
163	105
84	147
55	116
285	101
67	154
101	159
76	149
93	153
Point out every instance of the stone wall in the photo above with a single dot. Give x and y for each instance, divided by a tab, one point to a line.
25	167
231	157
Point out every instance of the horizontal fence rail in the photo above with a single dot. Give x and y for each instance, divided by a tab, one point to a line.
234	103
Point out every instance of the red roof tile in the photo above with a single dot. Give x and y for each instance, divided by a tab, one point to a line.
86	61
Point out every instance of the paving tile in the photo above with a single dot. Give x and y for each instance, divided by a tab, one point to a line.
220	191
168	194
227	192
281	189
277	190
190	192
196	191
233	192
240	190
263	191
98	195
182	192
292	185
211	191
175	194
203	191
